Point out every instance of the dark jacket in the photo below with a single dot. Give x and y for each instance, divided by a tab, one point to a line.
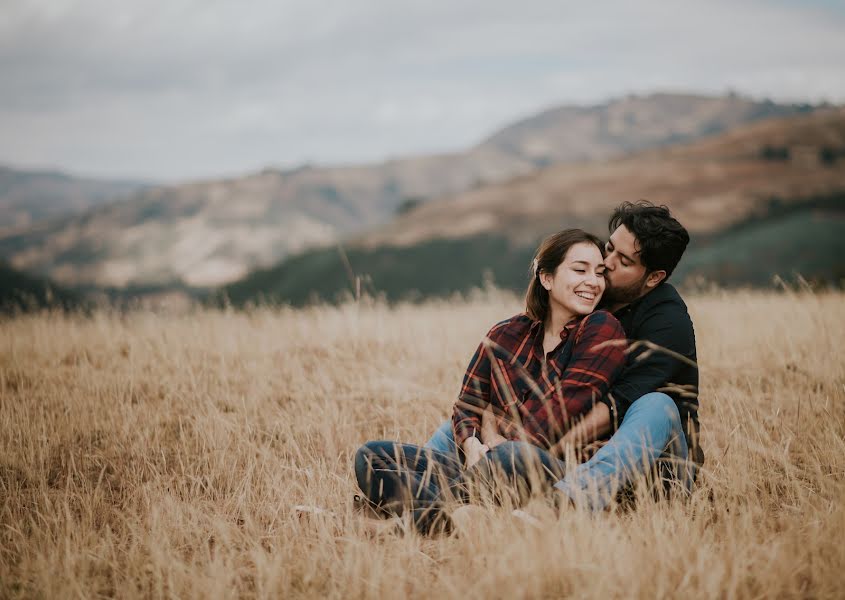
660	317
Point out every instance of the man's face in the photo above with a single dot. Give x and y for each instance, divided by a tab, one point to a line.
626	275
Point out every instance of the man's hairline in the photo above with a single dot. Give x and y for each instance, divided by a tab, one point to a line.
636	243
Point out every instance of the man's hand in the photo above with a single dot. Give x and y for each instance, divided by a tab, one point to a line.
474	451
594	425
585	453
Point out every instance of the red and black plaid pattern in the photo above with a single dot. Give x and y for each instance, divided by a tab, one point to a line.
532	397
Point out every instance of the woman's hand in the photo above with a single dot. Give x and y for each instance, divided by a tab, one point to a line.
490	435
474	451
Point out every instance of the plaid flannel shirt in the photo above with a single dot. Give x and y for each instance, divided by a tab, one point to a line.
533	396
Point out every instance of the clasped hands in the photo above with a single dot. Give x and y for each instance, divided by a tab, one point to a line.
579	442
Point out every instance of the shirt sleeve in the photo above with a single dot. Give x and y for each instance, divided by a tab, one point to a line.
593	366
474	396
648	370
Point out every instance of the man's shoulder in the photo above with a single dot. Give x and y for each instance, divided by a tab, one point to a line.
664	299
661	308
666	293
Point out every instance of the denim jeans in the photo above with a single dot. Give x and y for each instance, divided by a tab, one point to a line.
406	479
650	432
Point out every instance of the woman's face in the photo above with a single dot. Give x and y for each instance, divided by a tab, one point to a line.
578	282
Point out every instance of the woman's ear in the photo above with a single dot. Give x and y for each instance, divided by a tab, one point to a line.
546	281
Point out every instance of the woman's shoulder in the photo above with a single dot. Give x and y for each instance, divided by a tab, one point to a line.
601	324
519	323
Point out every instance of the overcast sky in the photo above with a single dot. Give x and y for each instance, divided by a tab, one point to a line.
185	89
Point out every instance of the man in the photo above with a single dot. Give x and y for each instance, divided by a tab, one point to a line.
652	408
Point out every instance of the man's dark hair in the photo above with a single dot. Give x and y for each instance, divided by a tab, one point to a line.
661	238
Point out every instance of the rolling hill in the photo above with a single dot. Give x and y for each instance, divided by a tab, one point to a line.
772	190
28	196
209	233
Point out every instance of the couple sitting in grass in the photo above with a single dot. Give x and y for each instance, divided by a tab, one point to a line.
604	355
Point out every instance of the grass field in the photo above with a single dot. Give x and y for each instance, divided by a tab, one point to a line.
146	455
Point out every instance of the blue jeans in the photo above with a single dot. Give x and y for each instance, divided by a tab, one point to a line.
650	431
402	479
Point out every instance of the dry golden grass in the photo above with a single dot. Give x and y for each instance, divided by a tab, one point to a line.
160	456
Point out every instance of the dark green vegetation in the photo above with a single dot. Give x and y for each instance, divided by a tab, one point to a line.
20	292
430	269
805	241
786	239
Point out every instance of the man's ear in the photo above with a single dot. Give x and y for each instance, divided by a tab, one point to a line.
654	278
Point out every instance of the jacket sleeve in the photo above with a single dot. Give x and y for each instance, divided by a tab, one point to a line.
474	396
648	369
593	366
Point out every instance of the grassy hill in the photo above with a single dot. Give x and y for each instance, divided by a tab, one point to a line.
213	232
710	184
761	200
806	240
30	196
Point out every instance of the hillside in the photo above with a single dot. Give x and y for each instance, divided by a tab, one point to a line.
761	200
22	292
709	184
210	233
28	196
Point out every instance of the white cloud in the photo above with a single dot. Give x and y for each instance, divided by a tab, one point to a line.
193	88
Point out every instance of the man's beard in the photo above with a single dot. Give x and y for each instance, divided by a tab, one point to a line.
626	294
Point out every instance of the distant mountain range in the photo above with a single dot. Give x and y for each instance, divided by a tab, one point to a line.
210	233
29	196
761	199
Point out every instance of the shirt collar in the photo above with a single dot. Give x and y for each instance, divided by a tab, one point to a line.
537	326
641	300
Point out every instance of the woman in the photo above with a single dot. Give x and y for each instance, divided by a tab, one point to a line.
530	380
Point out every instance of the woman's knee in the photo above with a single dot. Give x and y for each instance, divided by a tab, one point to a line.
363	462
515	458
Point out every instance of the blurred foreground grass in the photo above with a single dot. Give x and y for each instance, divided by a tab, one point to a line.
160	456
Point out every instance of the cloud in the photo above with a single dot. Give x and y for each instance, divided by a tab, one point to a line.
190	88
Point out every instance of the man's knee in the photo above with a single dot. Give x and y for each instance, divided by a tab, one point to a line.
657	405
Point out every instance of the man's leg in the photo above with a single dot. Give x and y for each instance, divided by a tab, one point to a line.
443	440
651	429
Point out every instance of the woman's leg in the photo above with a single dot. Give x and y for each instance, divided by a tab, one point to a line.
443	440
516	471
396	477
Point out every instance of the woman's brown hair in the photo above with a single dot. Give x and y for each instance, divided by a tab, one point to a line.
549	255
